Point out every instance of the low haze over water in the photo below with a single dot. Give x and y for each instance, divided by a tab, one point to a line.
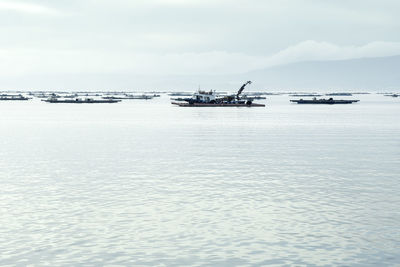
150	184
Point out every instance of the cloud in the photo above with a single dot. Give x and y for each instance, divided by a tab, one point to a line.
26	8
25	61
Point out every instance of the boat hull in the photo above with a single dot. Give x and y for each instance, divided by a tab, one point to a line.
216	105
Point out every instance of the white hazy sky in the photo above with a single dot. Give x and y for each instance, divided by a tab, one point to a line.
189	36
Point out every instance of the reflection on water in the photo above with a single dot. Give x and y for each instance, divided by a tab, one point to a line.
147	183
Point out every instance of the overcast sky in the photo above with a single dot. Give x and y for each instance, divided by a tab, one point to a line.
189	36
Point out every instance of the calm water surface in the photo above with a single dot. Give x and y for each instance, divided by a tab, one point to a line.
146	183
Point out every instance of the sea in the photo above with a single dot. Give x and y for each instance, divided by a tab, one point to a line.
147	183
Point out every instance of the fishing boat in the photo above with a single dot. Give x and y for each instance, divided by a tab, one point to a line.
212	99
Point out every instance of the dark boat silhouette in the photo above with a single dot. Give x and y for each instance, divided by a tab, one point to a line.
329	101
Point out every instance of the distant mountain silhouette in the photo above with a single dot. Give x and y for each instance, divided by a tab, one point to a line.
364	73
374	74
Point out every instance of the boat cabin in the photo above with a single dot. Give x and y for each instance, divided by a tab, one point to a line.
204	97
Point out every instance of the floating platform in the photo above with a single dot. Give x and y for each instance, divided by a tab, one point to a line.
14	98
255	97
305	95
217	105
7	97
145	97
82	101
323	101
339	94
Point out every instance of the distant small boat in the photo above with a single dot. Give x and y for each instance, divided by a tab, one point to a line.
179	94
393	95
339	94
329	101
70	96
13	98
181	99
305	95
81	101
47	95
252	97
127	97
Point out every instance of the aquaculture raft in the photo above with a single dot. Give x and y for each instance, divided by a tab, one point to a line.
82	101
